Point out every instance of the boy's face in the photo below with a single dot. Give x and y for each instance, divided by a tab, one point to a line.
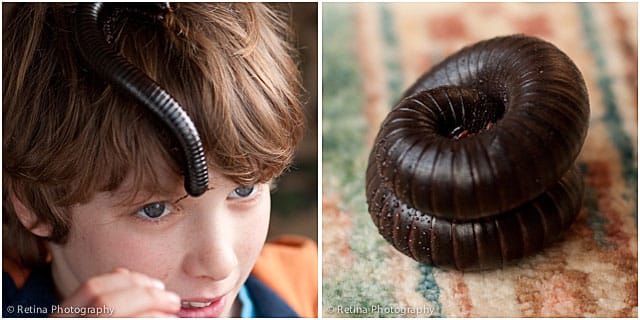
202	248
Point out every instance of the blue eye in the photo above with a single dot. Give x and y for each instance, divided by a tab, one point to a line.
243	192
153	210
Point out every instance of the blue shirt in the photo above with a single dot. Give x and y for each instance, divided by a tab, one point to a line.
247	310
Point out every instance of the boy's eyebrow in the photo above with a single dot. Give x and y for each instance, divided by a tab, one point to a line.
127	197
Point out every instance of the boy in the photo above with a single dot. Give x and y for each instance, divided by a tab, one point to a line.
96	219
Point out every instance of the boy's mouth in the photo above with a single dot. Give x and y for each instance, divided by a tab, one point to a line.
202	308
191	305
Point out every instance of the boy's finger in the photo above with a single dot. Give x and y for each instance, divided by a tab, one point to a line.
135	302
117	280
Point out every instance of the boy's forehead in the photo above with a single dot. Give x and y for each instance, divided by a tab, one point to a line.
166	184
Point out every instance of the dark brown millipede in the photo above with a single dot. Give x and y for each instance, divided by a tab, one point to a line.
474	167
95	48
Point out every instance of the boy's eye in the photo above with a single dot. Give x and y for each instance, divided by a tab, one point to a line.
154	210
242	192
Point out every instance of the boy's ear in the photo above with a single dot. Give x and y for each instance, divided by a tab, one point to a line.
28	219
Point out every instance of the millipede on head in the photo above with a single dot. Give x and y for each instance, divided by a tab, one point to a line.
474	167
93	33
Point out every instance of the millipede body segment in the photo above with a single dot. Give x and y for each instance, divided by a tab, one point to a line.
474	167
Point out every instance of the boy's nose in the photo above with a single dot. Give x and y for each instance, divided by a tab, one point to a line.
211	250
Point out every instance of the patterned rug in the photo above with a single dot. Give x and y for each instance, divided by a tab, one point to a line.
371	53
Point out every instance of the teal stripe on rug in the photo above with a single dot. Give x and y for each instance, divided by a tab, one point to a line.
427	286
429	289
596	221
392	58
611	118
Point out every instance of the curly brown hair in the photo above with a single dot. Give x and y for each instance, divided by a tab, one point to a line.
68	135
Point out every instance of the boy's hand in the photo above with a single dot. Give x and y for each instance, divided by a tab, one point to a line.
129	294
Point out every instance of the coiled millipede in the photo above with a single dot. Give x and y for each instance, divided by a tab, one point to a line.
474	167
